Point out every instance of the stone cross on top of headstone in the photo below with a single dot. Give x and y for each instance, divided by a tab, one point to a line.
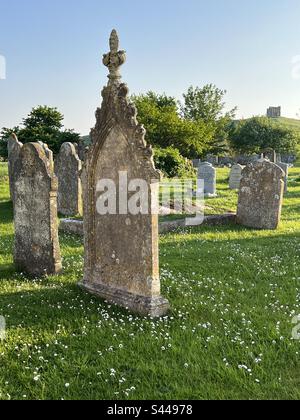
114	59
120	228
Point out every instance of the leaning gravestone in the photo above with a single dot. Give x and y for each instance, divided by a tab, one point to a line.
208	174
285	168
67	169
261	195
121	237
13	148
235	177
37	248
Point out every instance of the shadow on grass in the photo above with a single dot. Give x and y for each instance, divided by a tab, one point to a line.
53	303
6	212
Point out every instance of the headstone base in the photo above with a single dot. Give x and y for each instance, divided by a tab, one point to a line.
154	307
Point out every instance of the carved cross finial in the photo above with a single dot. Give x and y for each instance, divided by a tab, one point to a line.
114	59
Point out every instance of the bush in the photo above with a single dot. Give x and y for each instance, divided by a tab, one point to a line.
172	164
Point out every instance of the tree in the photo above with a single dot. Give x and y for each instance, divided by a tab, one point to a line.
206	106
166	128
261	133
43	124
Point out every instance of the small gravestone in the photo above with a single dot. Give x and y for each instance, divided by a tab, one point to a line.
120	228
67	169
285	168
13	148
261	195
37	248
208	174
235	177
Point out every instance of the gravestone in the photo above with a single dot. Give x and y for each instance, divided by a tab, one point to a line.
208	174
261	195
121	244
13	148
37	248
235	177
67	169
285	168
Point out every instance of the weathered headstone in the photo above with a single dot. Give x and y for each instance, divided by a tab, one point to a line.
208	174
285	168
121	245
37	248
67	169
235	177
13	148
261	195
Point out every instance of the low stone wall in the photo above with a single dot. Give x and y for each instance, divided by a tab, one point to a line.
76	226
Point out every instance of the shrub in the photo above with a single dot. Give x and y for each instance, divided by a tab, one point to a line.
172	164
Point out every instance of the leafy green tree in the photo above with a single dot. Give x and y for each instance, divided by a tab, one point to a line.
43	124
166	127
261	133
206	106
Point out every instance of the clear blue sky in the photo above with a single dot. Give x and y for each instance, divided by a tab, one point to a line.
53	51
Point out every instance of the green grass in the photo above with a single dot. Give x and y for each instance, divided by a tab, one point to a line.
233	291
289	122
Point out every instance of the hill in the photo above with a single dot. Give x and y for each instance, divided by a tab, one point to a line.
288	122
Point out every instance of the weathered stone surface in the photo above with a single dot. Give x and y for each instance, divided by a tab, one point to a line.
285	167
261	195
35	212
208	173
235	177
121	250
14	148
67	169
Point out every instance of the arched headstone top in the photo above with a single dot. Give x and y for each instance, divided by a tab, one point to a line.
36	157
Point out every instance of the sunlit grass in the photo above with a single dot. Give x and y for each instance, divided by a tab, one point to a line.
233	292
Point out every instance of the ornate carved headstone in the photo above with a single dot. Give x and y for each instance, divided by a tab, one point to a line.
35	212
235	177
14	148
261	195
285	168
67	169
208	173
121	245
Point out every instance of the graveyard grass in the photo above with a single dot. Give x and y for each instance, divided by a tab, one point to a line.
233	291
